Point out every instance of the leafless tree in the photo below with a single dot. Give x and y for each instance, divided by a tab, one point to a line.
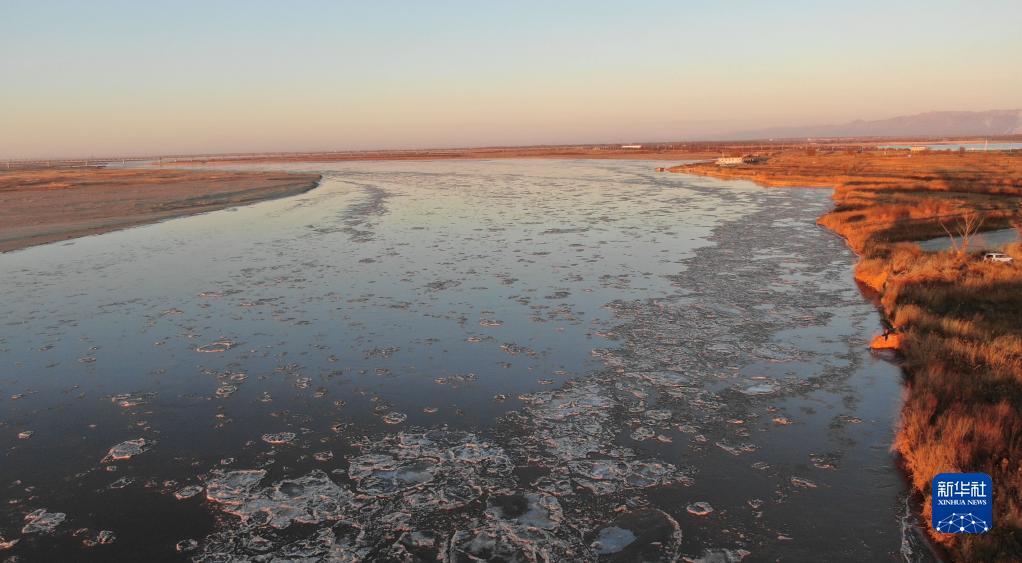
962	230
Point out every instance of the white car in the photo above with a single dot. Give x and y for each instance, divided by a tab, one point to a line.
996	257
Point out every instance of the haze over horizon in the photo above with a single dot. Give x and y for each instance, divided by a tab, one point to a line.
120	78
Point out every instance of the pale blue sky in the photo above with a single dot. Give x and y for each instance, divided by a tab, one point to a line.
102	78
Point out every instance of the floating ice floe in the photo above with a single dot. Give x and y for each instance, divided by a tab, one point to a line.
394	417
40	521
187	492
736	449
642	535
700	508
764	388
226	390
103	537
129	400
720	555
279	438
613	540
216	347
311	499
803	483
127	450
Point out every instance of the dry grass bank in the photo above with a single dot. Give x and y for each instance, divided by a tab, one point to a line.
42	206
960	318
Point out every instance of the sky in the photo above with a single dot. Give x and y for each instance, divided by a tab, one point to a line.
106	78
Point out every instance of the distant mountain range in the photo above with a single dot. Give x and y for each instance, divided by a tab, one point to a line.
930	124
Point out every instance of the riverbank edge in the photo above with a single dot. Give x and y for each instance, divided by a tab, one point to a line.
871	279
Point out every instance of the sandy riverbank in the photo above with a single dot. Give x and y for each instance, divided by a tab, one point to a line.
958	318
43	206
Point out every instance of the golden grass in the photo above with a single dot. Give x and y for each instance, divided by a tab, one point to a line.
959	318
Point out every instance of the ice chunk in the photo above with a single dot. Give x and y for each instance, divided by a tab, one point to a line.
720	555
233	487
279	438
187	492
700	508
612	540
642	535
216	347
127	450
40	521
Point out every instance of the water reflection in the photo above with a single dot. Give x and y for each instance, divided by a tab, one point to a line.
980	241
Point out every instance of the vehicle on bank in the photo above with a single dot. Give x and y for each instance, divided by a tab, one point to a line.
996	257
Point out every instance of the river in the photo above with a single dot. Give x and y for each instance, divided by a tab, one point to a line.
453	359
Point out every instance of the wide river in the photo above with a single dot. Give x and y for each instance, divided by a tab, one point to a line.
515	360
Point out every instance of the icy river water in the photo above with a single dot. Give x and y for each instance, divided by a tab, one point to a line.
516	360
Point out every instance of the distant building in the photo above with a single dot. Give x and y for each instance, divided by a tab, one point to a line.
730	160
918	149
631	146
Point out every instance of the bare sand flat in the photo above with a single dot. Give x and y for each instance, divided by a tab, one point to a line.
43	206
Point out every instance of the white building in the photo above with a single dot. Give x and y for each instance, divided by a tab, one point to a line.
730	160
631	146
